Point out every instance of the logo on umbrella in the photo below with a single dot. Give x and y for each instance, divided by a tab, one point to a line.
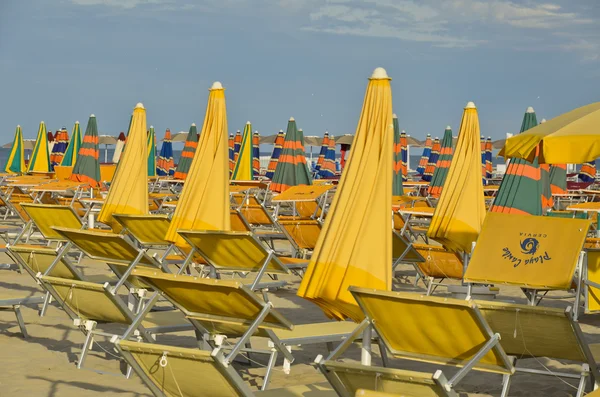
529	246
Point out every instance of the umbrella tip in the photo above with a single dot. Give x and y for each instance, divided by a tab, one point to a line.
151	126
217	86
248	123
280	130
193	124
543	121
394	116
471	105
18	125
448	127
403	132
379	73
92	115
300	129
292	119
77	122
139	105
530	110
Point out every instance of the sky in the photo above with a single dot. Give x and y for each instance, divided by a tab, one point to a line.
60	61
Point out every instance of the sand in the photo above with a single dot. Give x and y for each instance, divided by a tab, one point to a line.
44	364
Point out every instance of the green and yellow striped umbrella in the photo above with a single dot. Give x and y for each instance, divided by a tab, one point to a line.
243	159
40	158
87	167
16	159
187	155
521	190
70	157
291	168
443	163
151	143
397	176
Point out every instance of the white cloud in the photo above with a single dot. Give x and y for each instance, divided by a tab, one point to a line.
125	4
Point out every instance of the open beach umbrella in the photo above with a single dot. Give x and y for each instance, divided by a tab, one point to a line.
404	152
165	166
425	156
397	169
587	173
443	164
323	151
256	154
151	142
558	178
291	168
460	211
243	159
128	192
432	161
40	157
87	167
187	154
277	148
73	147
204	200
119	146
328	167
60	147
521	189
355	245
489	166
231	154
16	158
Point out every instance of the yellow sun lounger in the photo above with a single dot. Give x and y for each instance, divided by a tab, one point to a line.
46	216
307	201
303	234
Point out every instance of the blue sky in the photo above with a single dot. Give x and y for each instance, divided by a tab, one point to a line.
62	60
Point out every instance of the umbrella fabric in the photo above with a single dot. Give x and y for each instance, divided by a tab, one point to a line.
70	157
489	167
87	167
397	170
425	156
50	143
572	137
256	154
277	148
323	151
404	152
243	160
40	157
237	143
119	146
482	140
328	167
204	200
291	167
16	159
522	188
151	143
165	166
60	146
587	172
355	245
443	164
231	154
128	193
432	161
344	147
558	179
187	154
460	211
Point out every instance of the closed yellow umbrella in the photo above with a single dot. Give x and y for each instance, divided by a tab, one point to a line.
128	193
572	137
460	211
204	200
355	245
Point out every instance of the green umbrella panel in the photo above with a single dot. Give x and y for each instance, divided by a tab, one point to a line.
397	189
187	155
16	159
151	142
291	167
70	157
87	167
443	164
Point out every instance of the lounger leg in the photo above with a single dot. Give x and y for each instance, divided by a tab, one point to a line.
47	300
272	361
17	309
585	372
89	338
429	285
365	353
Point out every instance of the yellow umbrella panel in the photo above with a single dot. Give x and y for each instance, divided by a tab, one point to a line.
40	158
16	159
355	246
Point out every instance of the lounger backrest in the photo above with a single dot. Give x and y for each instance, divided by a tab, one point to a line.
238	223
304	233
88	301
536	252
348	378
439	262
252	210
400	246
593	275
302	193
38	259
430	329
232	250
147	229
184	372
212	300
104	246
45	216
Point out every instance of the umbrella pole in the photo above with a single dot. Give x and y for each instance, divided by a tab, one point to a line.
106	153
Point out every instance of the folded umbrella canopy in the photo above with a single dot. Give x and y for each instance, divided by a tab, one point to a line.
291	167
119	146
355	246
231	155
277	148
16	158
323	151
558	178
128	193
397	170
165	166
443	164
237	143
204	200
70	157
328	167
587	173
404	153
60	147
522	188
489	166
151	143
40	157
243	159
87	167
187	154
432	161
482	140
256	154
425	156
460	211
